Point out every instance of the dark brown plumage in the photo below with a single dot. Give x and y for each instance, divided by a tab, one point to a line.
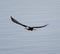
27	27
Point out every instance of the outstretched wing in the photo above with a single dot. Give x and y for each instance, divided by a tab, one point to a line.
15	21
40	26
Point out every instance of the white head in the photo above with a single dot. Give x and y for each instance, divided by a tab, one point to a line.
27	28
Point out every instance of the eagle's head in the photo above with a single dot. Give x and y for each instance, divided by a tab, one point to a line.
27	27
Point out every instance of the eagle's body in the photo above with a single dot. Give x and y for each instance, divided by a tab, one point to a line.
26	27
29	28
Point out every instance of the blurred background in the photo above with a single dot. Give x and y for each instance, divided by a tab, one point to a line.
14	39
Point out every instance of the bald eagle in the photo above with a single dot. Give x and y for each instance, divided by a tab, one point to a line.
26	27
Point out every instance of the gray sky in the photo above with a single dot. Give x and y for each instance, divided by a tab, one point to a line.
14	39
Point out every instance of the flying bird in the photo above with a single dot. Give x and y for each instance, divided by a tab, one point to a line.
26	27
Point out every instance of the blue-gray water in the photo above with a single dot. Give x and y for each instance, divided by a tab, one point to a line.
14	39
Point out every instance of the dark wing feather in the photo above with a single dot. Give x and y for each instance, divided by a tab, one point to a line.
40	26
15	21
